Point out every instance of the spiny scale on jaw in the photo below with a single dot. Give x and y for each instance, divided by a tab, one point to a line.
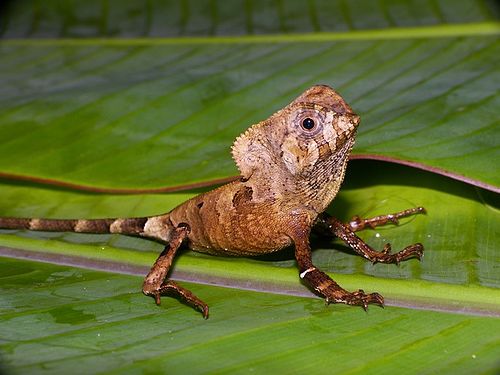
245	160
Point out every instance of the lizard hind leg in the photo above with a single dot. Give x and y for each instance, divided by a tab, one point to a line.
357	223
156	283
346	234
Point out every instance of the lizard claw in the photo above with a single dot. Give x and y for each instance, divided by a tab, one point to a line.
385	256
157	297
358	298
415	250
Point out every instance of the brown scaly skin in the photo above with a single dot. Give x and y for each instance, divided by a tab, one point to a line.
291	165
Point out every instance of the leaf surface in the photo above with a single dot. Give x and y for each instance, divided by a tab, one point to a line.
87	97
465	257
80	321
99	111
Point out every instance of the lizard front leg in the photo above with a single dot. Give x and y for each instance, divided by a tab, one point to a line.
321	282
155	284
346	233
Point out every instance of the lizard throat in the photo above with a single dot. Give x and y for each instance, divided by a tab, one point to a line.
325	178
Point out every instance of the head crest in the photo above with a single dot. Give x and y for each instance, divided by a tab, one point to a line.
251	149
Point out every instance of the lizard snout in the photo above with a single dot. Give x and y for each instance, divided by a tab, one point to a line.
354	119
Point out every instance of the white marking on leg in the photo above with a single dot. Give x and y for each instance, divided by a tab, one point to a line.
303	274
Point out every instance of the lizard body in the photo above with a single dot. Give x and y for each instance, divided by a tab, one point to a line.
292	165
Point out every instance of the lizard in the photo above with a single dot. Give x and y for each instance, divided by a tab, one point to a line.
291	168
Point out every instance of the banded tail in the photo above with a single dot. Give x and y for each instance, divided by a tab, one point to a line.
156	227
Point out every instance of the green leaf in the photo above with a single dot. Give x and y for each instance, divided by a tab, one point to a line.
73	320
70	19
151	112
74	110
467	257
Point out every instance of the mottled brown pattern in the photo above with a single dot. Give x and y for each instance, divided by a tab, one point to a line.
292	165
242	196
133	226
53	225
127	226
94	226
14	223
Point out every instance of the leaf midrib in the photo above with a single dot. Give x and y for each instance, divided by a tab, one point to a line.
435	31
196	269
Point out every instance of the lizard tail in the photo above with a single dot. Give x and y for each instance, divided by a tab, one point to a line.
134	226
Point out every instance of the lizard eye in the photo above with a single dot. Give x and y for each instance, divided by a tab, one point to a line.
308	123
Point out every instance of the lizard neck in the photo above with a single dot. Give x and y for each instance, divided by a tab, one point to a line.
320	192
323	181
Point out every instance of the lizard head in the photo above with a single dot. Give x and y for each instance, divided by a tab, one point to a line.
312	133
320	125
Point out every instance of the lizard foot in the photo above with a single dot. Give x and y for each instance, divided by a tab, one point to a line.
385	256
334	293
172	288
358	298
